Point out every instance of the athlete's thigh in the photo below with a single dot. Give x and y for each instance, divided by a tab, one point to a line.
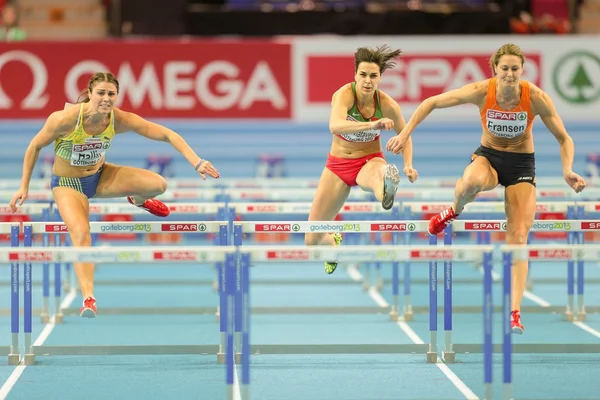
330	196
480	170
74	210
371	174
120	181
520	201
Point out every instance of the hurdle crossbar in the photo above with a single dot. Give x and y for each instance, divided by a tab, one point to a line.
124	227
355	207
108	254
384	253
175	208
184	183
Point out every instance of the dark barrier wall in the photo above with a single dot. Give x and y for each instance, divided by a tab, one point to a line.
254	23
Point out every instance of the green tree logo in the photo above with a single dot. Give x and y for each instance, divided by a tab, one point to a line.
576	77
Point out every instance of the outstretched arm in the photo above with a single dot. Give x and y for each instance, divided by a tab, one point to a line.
126	121
473	93
341	102
57	124
543	106
391	109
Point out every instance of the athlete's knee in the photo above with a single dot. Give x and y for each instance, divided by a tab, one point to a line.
157	186
81	235
517	234
473	182
161	185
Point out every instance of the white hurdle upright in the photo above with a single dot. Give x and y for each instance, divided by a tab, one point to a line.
107	255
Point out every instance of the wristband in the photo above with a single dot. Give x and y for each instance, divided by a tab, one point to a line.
199	164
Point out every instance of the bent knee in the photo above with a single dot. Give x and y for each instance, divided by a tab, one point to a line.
81	235
517	236
161	184
474	181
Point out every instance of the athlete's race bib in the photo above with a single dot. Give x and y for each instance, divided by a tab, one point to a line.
506	124
89	153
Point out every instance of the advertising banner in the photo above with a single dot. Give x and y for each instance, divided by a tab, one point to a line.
567	68
158	78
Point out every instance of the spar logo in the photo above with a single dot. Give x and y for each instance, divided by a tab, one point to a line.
391	227
590	225
32	256
359	208
431	254
183	227
267	208
485	226
175	255
561	254
184	209
576	77
56	228
275	227
288	255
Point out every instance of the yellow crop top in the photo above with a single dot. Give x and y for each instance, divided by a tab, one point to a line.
83	149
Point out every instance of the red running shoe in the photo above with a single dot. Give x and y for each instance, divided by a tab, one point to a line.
153	206
515	323
441	221
89	308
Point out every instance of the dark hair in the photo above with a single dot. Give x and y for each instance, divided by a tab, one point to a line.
96	78
380	56
509	49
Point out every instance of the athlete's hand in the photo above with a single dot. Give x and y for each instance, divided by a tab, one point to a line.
575	181
18	199
411	173
206	168
396	144
384	123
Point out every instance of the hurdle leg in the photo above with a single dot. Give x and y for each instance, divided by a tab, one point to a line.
432	353
238	309
448	354
222	318
378	278
569	312
58	313
407	311
229	348
45	314
395	286
14	356
506	329
581	313
28	357
245	386
487	325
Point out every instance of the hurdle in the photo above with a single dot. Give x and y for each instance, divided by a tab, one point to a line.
169	254
254	254
292	182
349	211
138	227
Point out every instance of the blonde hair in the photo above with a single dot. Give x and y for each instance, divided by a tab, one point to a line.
380	56
509	49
